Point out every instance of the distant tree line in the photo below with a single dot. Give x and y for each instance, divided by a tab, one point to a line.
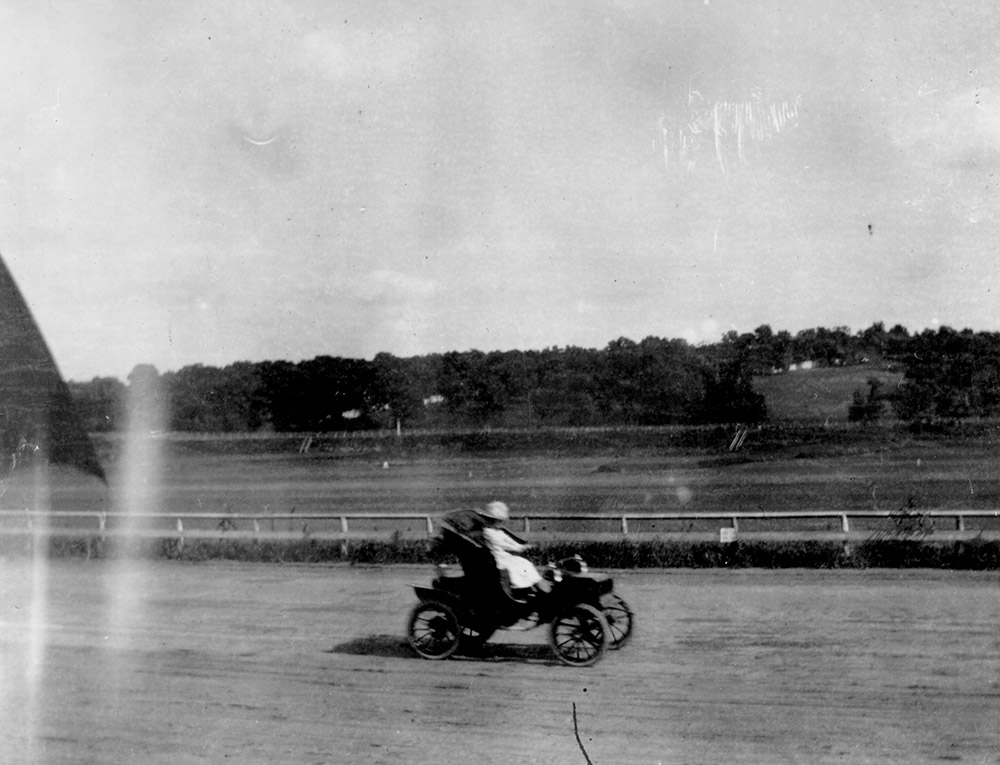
652	382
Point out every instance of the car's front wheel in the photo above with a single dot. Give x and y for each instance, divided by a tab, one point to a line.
620	619
579	635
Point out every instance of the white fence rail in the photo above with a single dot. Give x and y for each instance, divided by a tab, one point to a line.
942	525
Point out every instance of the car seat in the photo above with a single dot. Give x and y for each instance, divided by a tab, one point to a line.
461	533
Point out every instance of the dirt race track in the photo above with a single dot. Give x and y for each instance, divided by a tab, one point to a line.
106	662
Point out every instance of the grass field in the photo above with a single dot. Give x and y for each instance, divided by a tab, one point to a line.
850	472
820	395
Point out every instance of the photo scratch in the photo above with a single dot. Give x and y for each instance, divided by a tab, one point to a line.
270	140
734	125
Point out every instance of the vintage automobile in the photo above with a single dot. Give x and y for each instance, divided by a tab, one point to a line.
461	610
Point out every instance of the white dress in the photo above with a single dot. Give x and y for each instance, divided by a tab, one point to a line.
521	570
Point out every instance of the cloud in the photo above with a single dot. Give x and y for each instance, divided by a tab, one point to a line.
949	148
345	54
390	311
955	127
983	108
388	285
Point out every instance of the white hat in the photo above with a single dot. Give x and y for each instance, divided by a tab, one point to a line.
497	510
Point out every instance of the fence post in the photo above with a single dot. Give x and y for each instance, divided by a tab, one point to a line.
960	522
430	527
527	525
180	535
256	530
845	528
344	547
624	524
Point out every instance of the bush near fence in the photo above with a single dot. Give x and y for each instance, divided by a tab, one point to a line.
971	555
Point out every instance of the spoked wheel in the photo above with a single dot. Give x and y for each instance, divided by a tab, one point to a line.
433	630
579	635
473	640
619	617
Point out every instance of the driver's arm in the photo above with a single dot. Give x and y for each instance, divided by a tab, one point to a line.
504	541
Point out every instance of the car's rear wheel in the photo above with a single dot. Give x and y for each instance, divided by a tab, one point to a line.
579	635
433	630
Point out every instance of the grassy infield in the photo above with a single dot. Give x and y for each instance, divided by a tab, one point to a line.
808	411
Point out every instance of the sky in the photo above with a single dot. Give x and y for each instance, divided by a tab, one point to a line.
204	183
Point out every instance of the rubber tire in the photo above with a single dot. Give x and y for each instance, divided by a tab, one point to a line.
436	621
620	618
563	645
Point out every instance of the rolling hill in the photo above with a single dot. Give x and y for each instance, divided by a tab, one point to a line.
822	394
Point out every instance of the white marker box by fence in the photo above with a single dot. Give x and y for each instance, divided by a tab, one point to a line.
727	535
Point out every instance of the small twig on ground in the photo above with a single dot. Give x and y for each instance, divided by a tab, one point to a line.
576	732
